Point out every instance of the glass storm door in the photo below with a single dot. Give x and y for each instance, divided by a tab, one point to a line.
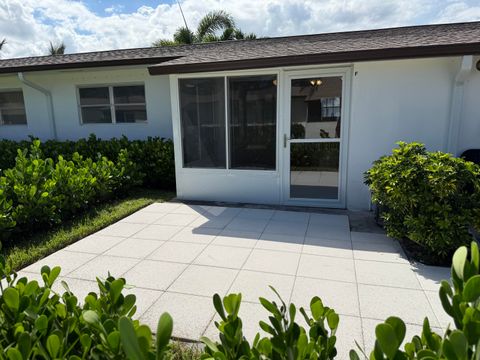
314	139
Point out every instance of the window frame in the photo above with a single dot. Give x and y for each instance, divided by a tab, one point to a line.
13	108
225	76
112	105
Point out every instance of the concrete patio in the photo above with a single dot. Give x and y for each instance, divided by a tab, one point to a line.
177	256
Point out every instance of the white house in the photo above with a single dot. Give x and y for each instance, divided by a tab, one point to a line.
292	120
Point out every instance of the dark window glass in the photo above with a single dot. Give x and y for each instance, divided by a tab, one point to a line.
11	99
12	108
96	115
129	94
94	96
130	113
14	116
314	170
128	104
252	122
202	116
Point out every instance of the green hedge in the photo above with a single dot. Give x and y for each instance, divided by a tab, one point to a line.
38	192
153	156
39	322
430	198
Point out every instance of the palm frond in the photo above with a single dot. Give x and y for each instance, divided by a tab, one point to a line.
3	42
184	35
58	49
214	21
164	42
211	38
228	34
250	36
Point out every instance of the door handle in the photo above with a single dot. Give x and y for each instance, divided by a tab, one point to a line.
285	139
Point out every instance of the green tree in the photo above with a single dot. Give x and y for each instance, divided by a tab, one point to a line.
57	49
215	26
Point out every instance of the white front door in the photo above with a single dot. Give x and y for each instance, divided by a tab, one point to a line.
315	137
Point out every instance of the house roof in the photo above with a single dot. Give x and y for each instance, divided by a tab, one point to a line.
392	43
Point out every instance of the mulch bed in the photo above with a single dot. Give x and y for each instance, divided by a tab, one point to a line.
416	252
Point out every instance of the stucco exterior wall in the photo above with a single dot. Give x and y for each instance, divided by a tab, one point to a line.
389	101
469	135
63	86
405	100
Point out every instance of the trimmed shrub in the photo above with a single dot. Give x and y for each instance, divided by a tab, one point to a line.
430	198
153	156
38	192
38	322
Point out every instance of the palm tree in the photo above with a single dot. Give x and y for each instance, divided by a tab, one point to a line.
207	31
3	42
57	49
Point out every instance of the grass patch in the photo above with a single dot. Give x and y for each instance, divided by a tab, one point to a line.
185	351
26	250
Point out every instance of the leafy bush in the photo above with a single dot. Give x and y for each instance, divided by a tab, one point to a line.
286	340
36	322
462	303
153	156
37	192
431	198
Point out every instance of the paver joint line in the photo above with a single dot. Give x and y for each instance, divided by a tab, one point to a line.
320	250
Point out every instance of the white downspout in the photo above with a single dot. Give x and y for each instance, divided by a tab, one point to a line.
48	95
456	104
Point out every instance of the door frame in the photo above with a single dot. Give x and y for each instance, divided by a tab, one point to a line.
284	135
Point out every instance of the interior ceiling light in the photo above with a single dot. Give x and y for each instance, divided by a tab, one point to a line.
315	82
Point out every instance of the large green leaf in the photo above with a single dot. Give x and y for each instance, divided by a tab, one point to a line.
398	326
14	354
387	340
164	332
129	339
459	260
53	345
91	317
11	298
471	291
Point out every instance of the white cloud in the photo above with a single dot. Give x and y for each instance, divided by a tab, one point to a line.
458	11
114	9
29	25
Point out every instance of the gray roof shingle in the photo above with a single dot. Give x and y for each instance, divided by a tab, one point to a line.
413	41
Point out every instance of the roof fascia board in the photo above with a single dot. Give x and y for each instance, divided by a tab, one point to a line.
325	58
86	64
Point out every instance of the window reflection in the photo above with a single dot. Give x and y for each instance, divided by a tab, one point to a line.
316	108
314	170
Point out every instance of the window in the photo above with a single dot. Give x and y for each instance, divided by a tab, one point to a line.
202	110
330	109
12	108
113	104
251	122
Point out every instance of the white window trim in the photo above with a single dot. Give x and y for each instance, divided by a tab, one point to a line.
13	108
225	75
110	104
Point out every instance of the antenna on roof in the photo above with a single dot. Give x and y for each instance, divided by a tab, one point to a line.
183	16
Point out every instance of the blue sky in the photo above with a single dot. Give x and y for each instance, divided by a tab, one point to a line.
89	25
125	6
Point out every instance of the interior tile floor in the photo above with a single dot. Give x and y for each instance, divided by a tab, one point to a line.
176	256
